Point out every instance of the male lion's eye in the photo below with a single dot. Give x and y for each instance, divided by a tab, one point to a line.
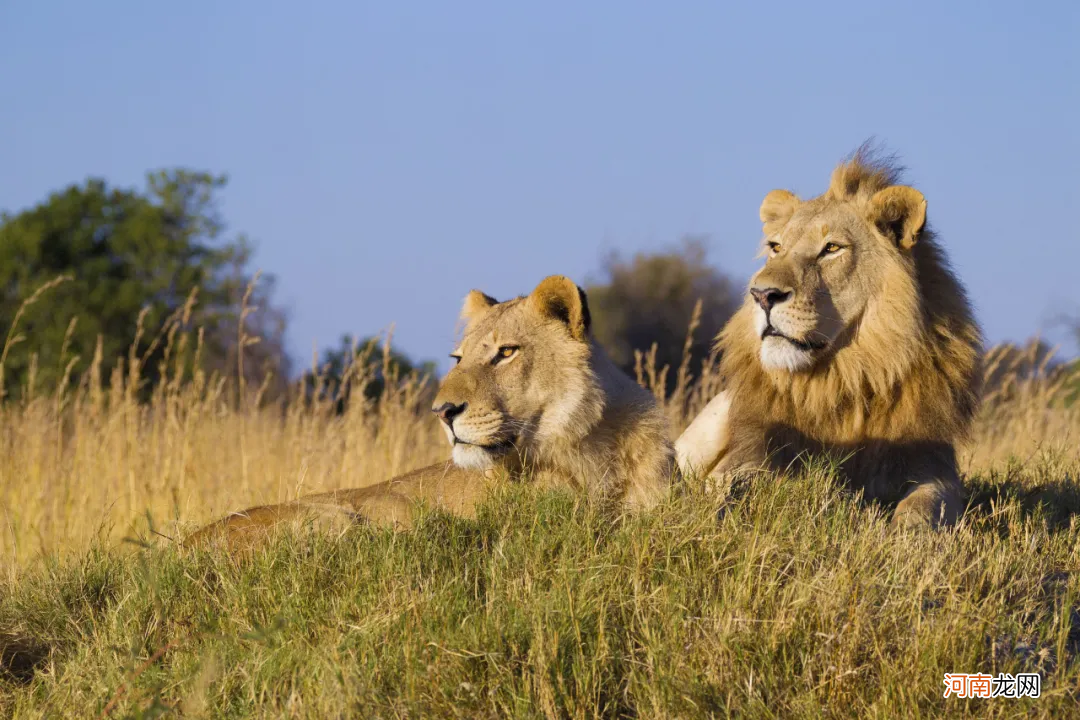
774	247
830	248
505	352
457	359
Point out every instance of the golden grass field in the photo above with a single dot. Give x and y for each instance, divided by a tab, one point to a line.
86	465
796	603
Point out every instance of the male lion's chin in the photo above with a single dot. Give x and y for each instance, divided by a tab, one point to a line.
779	353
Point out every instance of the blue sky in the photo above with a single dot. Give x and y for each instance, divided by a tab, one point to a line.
387	157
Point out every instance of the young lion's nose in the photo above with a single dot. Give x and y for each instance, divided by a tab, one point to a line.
768	297
448	411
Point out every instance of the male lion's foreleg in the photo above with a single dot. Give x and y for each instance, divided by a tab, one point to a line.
932	503
706	439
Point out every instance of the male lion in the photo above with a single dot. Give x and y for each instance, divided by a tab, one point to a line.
855	338
532	396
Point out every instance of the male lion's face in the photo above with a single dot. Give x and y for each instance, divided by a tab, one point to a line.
825	262
518	373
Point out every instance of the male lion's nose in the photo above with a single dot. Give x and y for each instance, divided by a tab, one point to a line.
448	411
768	297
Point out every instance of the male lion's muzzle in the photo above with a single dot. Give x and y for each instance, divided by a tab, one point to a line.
768	297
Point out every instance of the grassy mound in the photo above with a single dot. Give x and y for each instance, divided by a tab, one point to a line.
791	600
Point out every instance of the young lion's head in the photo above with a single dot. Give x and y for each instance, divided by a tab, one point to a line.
523	377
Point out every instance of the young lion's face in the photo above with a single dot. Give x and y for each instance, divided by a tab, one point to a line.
826	262
522	375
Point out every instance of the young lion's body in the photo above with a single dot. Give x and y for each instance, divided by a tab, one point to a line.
532	397
855	338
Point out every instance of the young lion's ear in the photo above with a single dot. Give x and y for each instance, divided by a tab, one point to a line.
899	213
476	303
559	298
776	210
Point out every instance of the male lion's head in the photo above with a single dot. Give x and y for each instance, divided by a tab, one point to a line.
831	260
523	376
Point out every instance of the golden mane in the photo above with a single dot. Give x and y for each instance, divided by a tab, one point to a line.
864	172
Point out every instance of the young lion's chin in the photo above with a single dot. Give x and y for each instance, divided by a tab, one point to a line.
778	353
471	457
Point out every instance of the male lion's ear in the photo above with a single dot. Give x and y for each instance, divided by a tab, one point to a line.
899	213
559	298
476	302
776	210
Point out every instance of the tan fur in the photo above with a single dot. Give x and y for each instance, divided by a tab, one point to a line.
878	358
555	411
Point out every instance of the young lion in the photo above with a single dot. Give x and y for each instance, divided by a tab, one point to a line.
532	395
855	337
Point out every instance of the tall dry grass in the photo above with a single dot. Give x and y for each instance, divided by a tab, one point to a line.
796	601
89	460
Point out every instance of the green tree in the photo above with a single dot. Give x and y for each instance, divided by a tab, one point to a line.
128	252
364	363
650	298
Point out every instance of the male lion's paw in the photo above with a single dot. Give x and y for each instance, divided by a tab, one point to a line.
912	519
926	510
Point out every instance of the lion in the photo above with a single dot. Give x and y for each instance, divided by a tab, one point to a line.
855	339
532	396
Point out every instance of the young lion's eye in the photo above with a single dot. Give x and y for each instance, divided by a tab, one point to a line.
505	352
457	359
774	248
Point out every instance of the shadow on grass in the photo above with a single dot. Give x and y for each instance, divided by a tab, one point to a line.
1057	502
20	657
